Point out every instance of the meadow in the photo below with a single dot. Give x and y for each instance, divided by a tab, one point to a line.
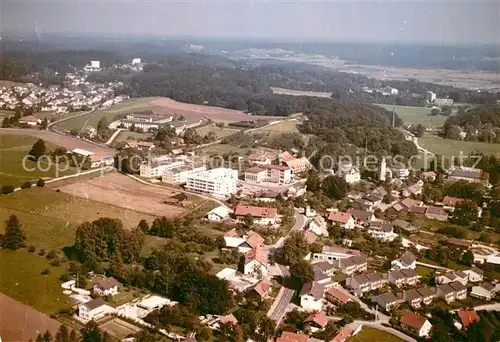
371	335
288	126
416	115
449	147
218	131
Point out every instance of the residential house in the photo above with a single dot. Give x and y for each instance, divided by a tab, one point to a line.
260	291
316	321
383	231
470	175
260	215
30	120
467	318
310	237
413	190
298	165
402	277
318	226
452	291
474	274
413	298
219	214
428	294
319	275
484	291
372	200
311	296
400	172
106	287
92	310
420	211
361	217
345	333
405	205
336	296
428	176
362	283
326	267
405	225
436	213
256	261
351	265
415	324
287	336
233	240
386	301
449	202
331	253
345	220
252	240
449	277
227	319
260	159
405	261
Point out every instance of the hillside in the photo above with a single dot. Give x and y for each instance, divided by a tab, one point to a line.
480	123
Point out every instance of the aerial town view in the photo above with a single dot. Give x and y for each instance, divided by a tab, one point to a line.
249	171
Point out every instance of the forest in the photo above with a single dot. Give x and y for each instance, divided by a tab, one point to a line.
479	124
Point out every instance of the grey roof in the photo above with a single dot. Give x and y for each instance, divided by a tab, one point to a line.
385	298
357	260
427	291
95	303
313	289
408	257
487	286
461	274
361	279
412	295
324	265
396	275
319	274
361	215
446	289
476	270
373	277
457	286
463	173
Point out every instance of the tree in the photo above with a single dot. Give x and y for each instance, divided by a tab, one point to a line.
73	336
14	237
40	183
465	212
37	150
301	273
419	130
144	226
248	220
44	124
295	248
132	127
468	258
313	182
39	338
267	327
7	189
335	187
102	125
204	334
91	333
47	337
26	185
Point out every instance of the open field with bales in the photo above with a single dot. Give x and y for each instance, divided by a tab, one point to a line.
284	91
416	115
449	147
15	169
218	131
371	335
125	192
21	322
127	106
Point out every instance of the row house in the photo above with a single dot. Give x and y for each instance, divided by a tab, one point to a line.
408	277
352	265
452	291
418	297
475	274
387	301
449	277
363	283
484	291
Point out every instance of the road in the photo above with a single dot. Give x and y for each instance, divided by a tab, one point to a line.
375	325
439	268
52	126
278	308
300	221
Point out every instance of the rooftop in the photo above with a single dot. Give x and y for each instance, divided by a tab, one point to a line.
261	212
413	320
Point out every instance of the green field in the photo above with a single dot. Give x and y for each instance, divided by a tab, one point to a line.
424	272
448	147
219	132
416	115
127	135
288	126
13	149
127	106
21	279
374	335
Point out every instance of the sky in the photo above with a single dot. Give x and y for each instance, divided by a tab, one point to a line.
443	22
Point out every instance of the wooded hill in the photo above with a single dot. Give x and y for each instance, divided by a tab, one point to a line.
480	123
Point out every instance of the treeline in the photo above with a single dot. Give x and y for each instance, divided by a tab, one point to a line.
478	124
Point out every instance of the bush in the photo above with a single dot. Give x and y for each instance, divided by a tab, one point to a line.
26	185
65	277
40	183
56	262
42	252
7	189
31	249
51	254
45	271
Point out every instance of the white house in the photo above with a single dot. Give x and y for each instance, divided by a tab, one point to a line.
450	277
484	291
406	260
416	324
106	287
260	215
475	274
92	310
311	296
345	220
218	214
318	226
383	231
331	253
256	261
30	120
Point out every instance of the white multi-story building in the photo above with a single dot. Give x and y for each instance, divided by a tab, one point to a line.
400	171
144	122
179	175
219	182
156	167
431	96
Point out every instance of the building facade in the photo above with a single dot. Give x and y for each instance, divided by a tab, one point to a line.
219	182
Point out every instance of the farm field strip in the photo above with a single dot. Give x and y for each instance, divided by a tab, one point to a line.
416	115
292	92
449	147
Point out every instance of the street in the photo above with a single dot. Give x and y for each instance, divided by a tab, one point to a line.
300	221
278	309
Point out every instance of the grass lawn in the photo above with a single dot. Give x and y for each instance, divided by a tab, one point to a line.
127	106
13	150
448	147
416	115
21	279
374	335
288	126
424	272
219	132
126	135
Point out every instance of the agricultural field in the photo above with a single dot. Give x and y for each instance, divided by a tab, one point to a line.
127	193
449	147
416	115
288	126
284	91
127	106
21	279
371	335
218	131
13	150
127	135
